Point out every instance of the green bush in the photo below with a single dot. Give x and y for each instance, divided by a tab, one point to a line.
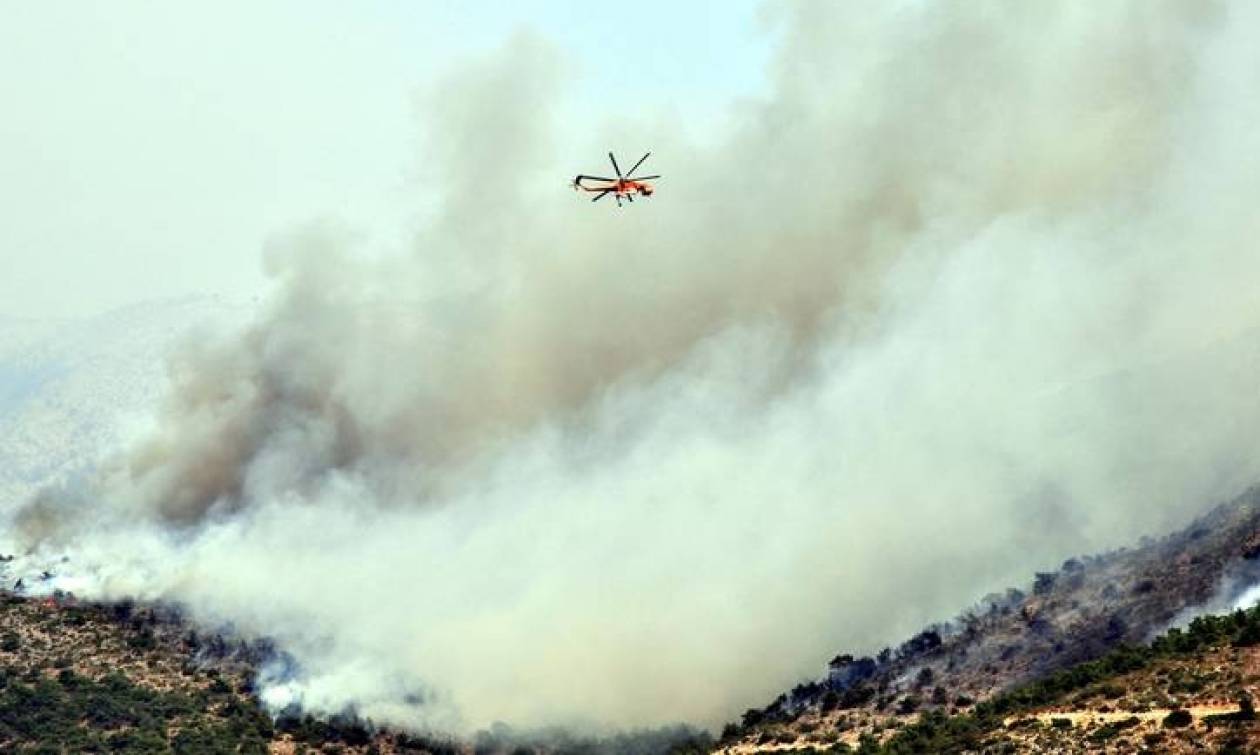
73	713
1109	731
1178	719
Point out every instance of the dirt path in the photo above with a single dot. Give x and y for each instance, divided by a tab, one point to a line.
850	737
1078	717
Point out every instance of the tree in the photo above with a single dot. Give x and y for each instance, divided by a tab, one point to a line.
1043	582
1178	719
1246	708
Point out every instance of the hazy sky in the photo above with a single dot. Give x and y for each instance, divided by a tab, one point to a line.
148	149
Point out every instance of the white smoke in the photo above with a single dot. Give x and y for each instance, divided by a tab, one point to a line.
973	290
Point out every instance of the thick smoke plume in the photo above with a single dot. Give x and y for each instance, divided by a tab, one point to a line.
971	290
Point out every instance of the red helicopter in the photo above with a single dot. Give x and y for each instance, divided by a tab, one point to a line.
621	186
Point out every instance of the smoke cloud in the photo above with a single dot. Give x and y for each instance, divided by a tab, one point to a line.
972	290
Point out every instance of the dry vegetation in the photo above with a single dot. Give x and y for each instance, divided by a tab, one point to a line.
1188	691
78	677
91	678
956	672
1061	668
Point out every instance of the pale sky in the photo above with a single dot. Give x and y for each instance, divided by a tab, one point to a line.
147	149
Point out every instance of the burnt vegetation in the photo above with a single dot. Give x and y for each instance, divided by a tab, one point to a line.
1088	620
988	726
977	729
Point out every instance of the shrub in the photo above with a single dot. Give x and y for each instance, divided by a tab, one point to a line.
1043	582
1178	719
142	640
908	705
1246	708
1109	731
1248	636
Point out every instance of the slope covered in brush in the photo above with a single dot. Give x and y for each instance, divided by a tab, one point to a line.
1080	613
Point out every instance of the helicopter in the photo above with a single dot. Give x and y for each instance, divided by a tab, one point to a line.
621	186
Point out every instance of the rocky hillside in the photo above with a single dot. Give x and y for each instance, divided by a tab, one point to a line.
1081	612
1066	665
1187	691
78	677
91	678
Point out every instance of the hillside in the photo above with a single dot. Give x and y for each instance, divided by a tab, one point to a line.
1187	691
80	677
92	678
1066	666
1087	608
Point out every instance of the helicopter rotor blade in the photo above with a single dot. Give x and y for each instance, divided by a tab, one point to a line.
601	195
614	162
642	178
595	178
636	165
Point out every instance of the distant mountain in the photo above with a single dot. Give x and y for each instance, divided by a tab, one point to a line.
71	389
